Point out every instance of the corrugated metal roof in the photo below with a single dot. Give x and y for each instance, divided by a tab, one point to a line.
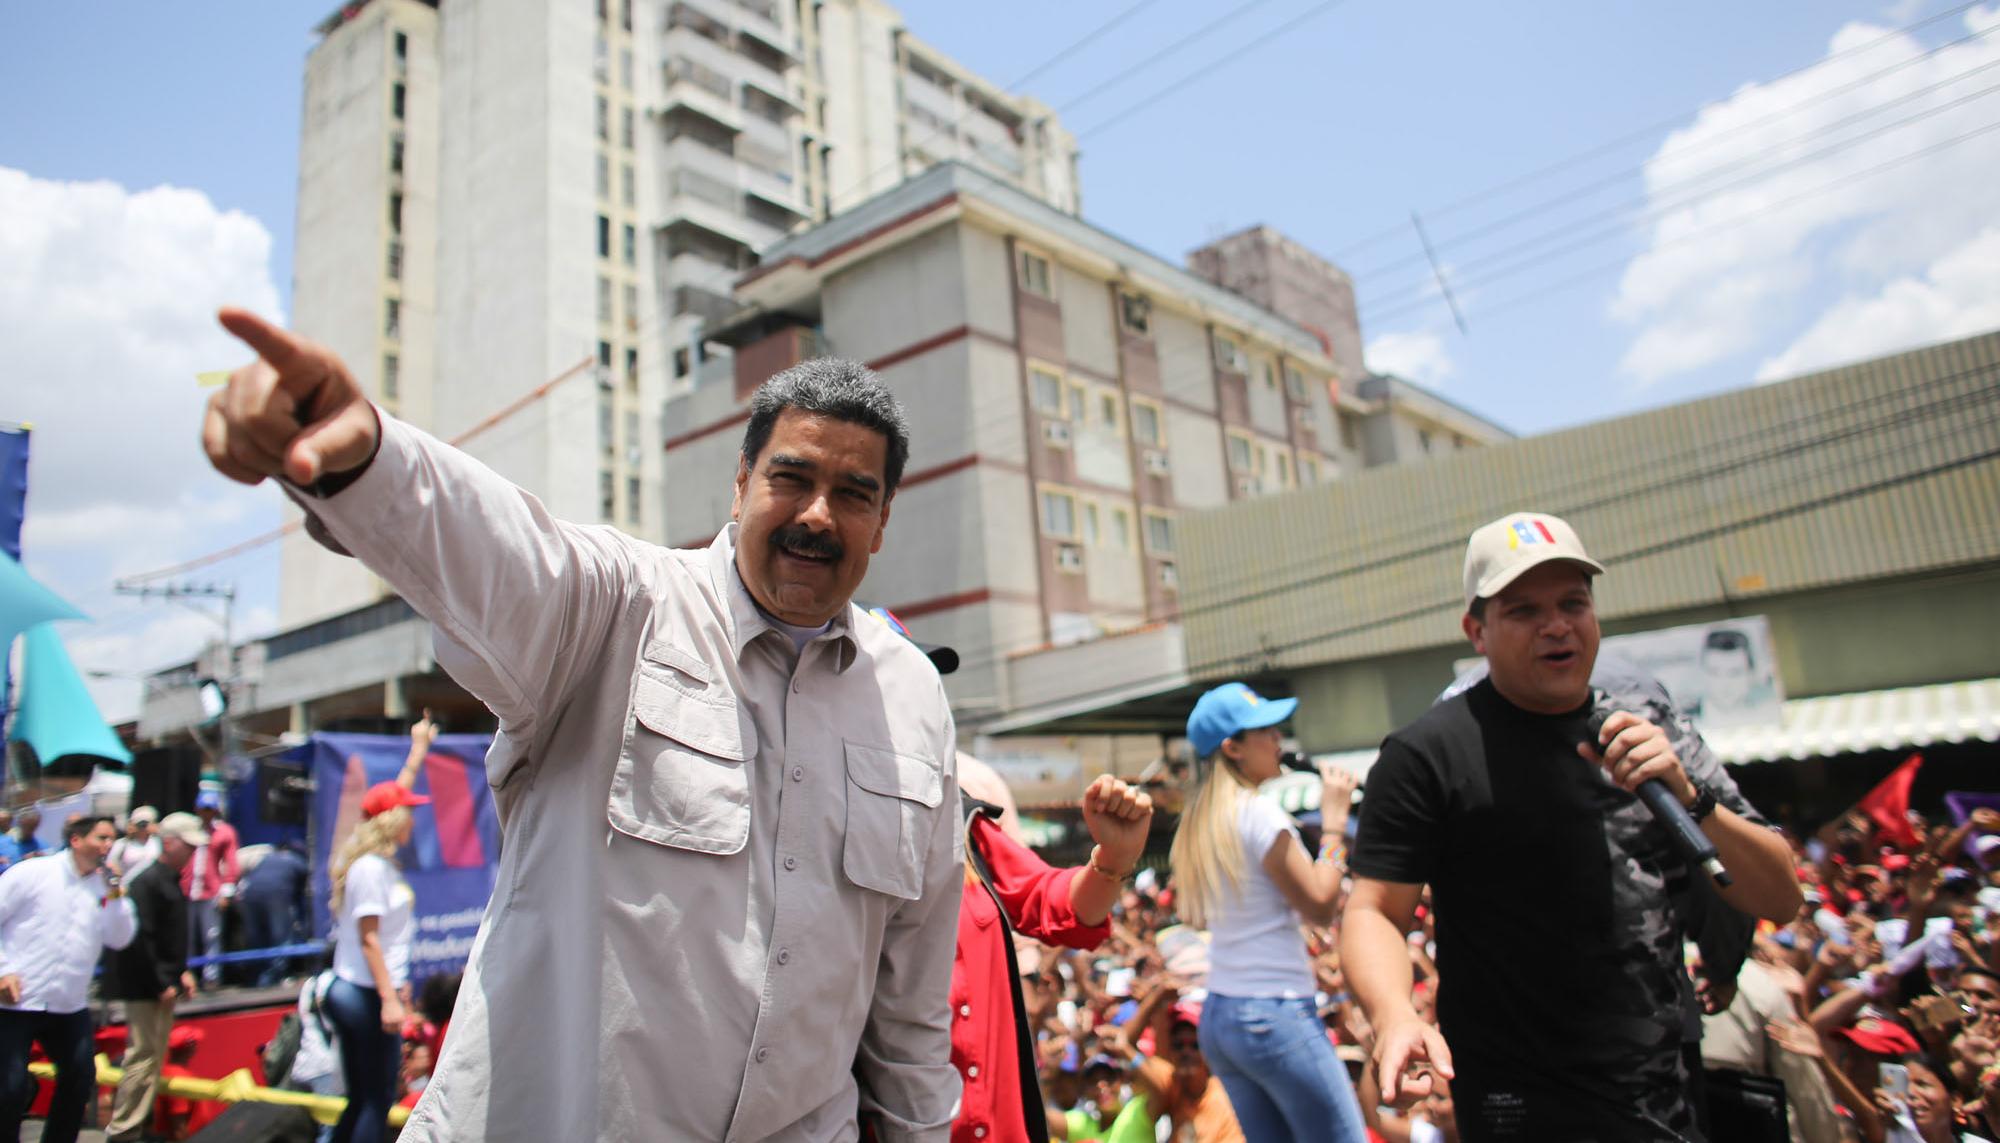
1889	467
1872	720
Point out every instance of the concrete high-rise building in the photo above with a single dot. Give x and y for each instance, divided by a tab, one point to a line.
494	195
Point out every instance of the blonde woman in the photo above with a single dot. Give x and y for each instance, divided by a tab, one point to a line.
375	924
1242	873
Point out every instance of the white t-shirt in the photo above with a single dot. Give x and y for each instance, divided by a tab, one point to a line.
375	888
1255	948
318	1055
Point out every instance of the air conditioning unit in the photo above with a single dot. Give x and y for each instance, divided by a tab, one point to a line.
1056	433
1157	463
603	375
1170	578
1069	558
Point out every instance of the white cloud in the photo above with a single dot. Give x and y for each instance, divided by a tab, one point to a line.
1721	268
1421	357
1957	296
107	311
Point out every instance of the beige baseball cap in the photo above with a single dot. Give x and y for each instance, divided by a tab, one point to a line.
184	826
1500	552
144	815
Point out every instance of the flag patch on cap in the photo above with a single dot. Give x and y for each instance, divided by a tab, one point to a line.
1529	531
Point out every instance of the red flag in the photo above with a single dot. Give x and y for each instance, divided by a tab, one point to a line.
1888	805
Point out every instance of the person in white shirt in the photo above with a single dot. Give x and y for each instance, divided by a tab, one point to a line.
317	1066
58	912
139	847
375	927
1243	873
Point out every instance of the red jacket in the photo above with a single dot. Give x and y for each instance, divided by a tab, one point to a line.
985	1044
218	863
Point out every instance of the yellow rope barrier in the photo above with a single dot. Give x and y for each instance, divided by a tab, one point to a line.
236	1087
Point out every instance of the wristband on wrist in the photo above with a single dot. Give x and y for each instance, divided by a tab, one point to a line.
1704	803
1096	855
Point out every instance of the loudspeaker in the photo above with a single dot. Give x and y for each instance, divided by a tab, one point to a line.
259	1122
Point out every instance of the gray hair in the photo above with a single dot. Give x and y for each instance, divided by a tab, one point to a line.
831	387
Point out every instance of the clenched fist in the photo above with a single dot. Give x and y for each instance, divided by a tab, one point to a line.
1118	817
295	412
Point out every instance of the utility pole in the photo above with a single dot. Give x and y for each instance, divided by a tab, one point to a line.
185	594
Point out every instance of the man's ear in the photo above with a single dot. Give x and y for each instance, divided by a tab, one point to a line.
742	483
1475	631
882	525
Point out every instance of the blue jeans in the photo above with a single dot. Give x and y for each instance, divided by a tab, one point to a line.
65	1036
370	1060
1280	1071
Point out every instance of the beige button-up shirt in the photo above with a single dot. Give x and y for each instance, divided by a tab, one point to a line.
729	885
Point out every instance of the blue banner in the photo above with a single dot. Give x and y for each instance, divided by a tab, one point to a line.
451	857
13	509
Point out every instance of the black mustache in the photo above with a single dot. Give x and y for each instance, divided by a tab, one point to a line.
800	541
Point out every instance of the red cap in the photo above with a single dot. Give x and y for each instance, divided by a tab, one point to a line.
1187	1012
385	796
1874	1034
184	1036
1896	862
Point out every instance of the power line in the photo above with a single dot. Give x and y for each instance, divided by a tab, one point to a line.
1192	76
1647	131
1545	205
1089	38
1236	13
1415	304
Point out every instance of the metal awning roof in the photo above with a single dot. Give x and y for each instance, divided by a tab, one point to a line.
1868	720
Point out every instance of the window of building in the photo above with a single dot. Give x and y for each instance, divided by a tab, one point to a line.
1308	471
605	493
1035	275
1047	391
1079	404
391	376
1239	453
402	42
397	95
1284	469
631	298
1423	440
625	14
1092	530
603	237
1159	533
628	245
600	63
1135	312
1058	514
631	429
628	189
631	500
603	300
625	131
631	369
1108	415
1119	533
1295	384
603	177
1228	353
395	214
605	443
395	260
625	68
1170	576
1146	423
603	11
1348	435
603	119
604	353
392	318
396	153
1269	373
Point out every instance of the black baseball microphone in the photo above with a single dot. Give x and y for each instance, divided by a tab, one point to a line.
1681	827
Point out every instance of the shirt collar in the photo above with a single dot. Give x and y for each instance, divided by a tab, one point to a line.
747	620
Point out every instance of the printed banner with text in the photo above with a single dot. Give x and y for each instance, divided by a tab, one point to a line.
451	857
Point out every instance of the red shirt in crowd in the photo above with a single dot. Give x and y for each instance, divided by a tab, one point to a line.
216	862
983	1046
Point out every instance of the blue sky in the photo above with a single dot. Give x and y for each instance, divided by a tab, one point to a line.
1732	251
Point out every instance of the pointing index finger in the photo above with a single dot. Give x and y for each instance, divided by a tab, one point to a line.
274	345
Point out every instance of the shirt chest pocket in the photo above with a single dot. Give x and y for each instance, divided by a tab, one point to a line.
892	803
683	778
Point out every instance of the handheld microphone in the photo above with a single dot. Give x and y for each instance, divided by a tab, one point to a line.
1293	760
1682	829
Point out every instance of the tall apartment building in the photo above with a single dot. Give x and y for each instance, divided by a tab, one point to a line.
1070	396
497	194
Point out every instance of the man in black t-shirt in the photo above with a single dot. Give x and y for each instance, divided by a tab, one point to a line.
1559	919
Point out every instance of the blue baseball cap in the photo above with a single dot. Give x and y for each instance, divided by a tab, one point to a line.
1229	710
208	800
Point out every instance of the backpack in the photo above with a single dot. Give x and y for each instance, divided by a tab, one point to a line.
282	1050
